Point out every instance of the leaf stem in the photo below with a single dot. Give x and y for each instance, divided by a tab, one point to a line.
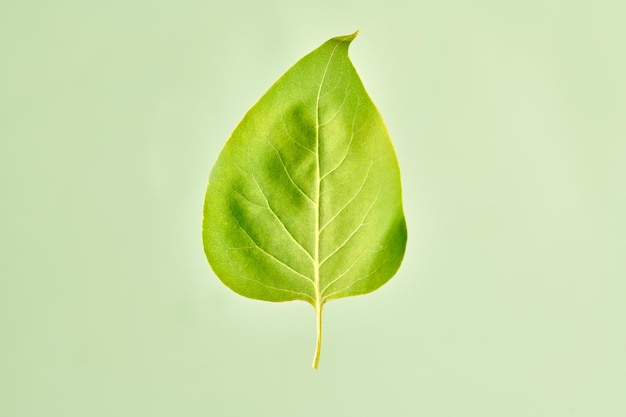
318	345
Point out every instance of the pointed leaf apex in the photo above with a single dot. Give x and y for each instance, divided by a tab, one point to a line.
347	38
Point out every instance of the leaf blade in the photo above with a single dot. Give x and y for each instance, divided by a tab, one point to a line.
316	214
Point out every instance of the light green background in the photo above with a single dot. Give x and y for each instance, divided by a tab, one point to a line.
509	119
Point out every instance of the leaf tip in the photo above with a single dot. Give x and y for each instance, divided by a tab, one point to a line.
347	38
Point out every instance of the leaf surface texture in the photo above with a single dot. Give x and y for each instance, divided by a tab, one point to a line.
304	201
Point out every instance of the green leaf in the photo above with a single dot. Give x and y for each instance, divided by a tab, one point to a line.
304	201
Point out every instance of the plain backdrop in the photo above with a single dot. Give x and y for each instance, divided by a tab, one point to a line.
509	119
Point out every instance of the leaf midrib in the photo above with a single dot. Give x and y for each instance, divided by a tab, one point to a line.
318	183
319	303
